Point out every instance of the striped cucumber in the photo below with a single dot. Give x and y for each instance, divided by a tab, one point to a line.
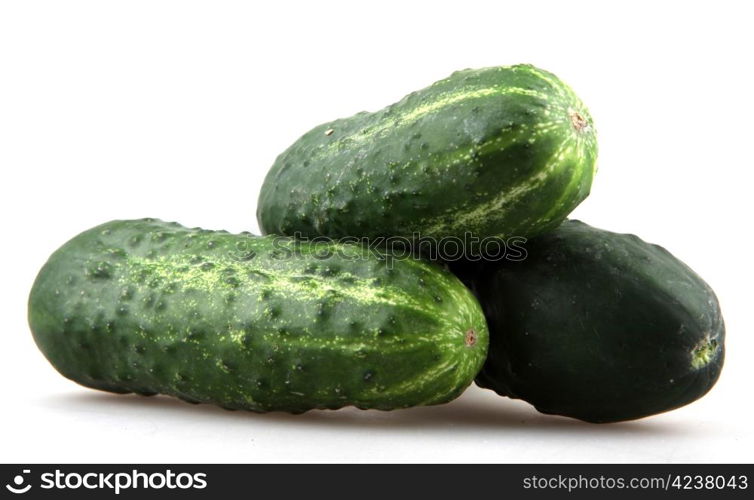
496	152
250	322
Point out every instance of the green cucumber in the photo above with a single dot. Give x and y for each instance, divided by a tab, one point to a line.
250	322
493	152
599	326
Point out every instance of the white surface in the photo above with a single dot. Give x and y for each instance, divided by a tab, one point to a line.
176	109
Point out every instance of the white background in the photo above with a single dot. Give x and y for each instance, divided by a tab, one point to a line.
176	109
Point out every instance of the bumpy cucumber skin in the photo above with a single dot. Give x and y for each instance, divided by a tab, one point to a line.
240	321
599	326
497	152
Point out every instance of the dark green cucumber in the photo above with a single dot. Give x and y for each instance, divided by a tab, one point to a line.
496	152
250	322
599	326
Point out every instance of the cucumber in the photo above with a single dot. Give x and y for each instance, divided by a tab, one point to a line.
493	152
250	322
599	326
